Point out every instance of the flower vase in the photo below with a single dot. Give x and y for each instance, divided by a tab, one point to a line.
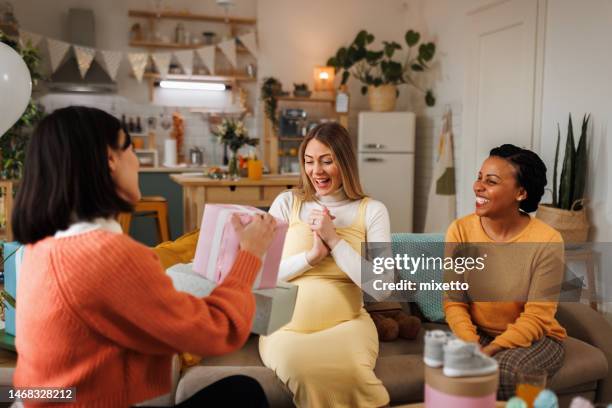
232	167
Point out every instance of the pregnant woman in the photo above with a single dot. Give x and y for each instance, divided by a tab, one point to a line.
327	353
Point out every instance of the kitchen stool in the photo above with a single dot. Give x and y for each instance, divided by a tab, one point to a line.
153	207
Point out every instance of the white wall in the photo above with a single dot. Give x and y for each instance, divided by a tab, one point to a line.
577	66
578	63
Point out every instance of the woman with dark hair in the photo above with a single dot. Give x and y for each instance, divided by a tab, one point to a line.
511	311
96	311
327	353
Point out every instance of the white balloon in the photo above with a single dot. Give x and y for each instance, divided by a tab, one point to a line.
15	87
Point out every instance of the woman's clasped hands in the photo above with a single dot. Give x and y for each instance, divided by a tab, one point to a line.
325	237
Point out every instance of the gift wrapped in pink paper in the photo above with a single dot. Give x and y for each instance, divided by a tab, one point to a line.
218	244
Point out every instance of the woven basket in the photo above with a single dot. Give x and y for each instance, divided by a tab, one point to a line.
382	98
571	224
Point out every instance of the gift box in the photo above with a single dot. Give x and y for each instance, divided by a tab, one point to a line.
460	392
273	307
13	256
218	245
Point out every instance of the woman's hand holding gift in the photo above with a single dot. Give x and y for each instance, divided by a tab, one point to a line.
256	236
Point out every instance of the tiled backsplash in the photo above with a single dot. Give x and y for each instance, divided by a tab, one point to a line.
197	129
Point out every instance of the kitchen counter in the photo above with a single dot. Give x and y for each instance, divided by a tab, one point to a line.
199	190
162	169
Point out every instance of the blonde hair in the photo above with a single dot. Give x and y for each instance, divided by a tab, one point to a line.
336	137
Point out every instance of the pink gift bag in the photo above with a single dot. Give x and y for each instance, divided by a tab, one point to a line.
218	245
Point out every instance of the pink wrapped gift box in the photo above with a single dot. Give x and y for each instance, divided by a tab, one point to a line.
218	245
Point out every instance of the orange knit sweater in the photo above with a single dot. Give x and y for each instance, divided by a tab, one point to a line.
512	323
97	312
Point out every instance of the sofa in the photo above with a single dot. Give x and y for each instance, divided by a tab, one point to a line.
585	371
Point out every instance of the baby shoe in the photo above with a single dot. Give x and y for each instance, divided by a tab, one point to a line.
433	354
463	359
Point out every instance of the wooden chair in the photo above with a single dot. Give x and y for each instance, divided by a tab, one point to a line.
153	207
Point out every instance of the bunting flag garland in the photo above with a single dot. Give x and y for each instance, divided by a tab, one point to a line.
110	62
84	56
29	37
250	42
138	61
162	62
228	47
207	55
185	59
57	52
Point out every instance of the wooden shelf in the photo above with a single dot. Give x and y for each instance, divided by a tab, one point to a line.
303	99
175	46
185	15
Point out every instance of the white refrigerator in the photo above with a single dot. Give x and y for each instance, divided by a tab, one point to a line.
386	163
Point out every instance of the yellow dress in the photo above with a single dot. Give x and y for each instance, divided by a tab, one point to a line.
327	353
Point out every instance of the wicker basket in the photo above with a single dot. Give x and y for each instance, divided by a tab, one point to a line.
571	224
382	98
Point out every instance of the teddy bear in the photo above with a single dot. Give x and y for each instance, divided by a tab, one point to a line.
392	322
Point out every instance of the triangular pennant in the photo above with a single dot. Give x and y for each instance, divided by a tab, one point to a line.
111	61
207	55
185	59
29	37
57	52
84	57
138	61
250	42
162	62
228	47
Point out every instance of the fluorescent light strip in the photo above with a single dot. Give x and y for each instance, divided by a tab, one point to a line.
196	86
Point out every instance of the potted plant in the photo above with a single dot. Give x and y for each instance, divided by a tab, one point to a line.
567	213
233	133
379	73
271	89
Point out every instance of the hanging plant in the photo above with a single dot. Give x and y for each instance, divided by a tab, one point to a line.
270	90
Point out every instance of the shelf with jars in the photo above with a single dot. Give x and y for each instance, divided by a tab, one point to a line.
296	116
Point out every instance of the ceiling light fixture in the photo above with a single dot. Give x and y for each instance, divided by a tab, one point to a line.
194	86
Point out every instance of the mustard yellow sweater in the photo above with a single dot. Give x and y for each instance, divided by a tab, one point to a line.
514	312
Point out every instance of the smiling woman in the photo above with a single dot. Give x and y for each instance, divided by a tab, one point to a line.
517	333
329	218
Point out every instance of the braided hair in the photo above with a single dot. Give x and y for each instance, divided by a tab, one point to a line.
530	173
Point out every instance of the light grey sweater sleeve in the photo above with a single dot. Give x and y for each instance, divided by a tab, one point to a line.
297	264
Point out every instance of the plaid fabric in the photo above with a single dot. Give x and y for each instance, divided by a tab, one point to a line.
544	354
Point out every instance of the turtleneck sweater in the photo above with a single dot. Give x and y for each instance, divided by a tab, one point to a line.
378	229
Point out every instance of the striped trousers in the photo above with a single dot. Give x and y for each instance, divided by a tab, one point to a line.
544	354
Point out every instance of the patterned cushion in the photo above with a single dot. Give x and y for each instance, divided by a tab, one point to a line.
428	245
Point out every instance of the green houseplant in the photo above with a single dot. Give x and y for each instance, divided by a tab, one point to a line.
378	71
14	141
566	213
271	89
